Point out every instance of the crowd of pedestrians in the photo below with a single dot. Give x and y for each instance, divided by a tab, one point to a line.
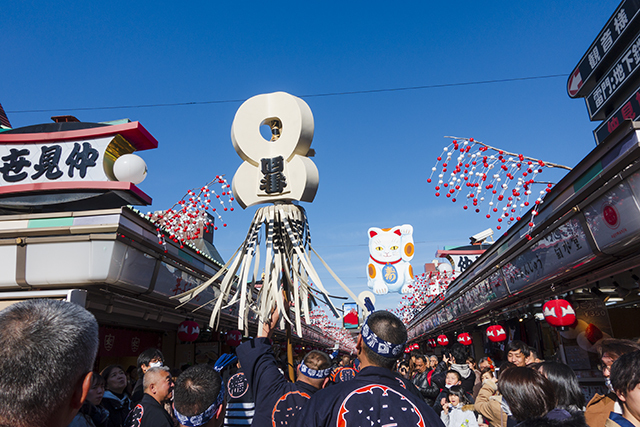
48	348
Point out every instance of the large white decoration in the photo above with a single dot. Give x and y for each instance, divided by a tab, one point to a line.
390	253
276	170
279	172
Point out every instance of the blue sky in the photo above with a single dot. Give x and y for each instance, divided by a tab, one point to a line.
374	150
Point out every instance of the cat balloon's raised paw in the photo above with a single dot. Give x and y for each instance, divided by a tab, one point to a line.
380	289
406	289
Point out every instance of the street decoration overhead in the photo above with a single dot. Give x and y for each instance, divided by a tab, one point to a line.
390	252
491	180
559	313
191	217
277	172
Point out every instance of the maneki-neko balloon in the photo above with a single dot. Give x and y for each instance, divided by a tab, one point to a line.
390	253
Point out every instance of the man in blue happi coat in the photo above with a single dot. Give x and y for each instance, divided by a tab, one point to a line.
277	400
376	396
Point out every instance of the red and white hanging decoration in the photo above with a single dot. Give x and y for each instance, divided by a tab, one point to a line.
188	331
559	313
478	174
426	288
432	343
186	220
465	338
331	333
234	338
496	333
443	340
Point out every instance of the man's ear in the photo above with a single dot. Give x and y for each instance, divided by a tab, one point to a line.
621	396
359	343
81	391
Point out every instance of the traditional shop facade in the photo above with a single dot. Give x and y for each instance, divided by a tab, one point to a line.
584	248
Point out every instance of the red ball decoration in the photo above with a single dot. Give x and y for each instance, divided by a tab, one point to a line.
465	339
188	331
559	313
443	340
496	333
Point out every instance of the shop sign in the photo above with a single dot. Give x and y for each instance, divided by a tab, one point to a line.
116	342
608	89
560	249
614	217
55	161
629	110
618	30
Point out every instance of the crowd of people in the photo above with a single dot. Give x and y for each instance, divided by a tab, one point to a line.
48	349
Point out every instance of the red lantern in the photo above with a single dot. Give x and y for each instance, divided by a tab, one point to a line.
407	350
465	339
188	331
443	340
297	348
559	313
234	338
432	343
496	333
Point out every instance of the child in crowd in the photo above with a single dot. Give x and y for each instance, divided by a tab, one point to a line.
456	410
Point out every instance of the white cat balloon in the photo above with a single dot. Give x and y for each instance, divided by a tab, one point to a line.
390	250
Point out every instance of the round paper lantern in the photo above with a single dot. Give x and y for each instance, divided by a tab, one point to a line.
407	350
559	313
234	338
130	168
297	348
188	331
432	343
443	340
496	333
465	339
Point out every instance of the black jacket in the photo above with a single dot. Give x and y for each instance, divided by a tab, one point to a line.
148	413
575	419
428	391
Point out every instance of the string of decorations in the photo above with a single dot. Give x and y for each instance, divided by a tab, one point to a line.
187	219
426	288
481	175
335	333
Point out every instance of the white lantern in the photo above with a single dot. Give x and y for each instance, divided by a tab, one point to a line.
130	168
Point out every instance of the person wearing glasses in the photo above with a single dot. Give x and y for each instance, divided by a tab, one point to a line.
600	406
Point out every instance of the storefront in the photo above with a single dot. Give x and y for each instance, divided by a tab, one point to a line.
584	248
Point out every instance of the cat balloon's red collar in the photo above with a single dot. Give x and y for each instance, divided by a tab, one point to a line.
385	263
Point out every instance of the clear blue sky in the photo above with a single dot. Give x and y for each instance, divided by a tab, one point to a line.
374	151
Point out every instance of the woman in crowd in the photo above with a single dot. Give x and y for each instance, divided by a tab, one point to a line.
531	399
570	398
456	411
115	399
91	414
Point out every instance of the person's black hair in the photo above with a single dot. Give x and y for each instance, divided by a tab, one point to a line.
527	392
503	367
196	389
421	357
459	352
458	390
625	373
147	356
389	328
565	383
516	345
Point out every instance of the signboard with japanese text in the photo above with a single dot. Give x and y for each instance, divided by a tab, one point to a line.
558	250
609	88
612	40
629	110
60	161
614	218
